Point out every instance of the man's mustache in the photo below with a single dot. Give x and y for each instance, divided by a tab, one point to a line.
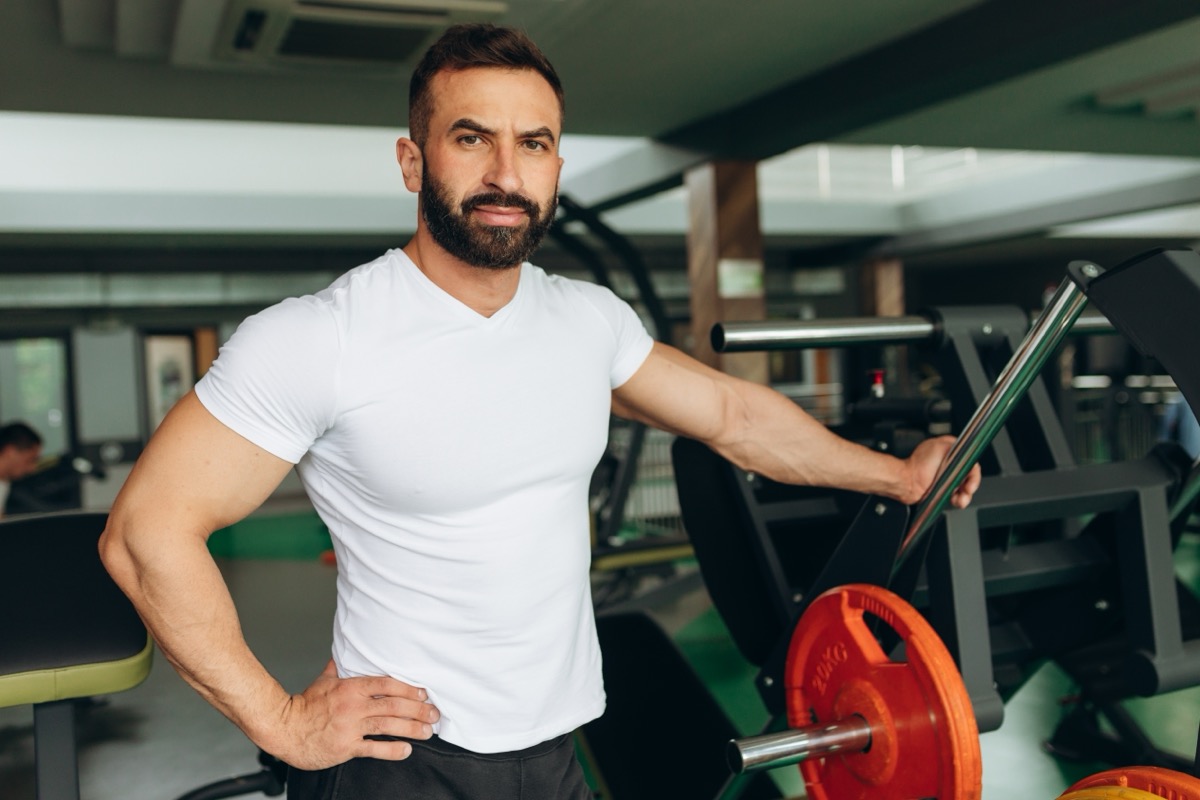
502	199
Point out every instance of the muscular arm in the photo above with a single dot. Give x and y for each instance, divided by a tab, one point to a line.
196	476
762	431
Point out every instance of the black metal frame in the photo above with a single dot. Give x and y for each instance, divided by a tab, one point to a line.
1101	598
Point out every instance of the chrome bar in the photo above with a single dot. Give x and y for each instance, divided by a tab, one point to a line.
791	747
739	337
745	337
1024	366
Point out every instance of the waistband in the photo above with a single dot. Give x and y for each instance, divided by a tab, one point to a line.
440	745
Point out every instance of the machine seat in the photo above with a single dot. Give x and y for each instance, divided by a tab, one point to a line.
67	631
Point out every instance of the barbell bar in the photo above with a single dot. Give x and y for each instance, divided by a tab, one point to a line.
749	337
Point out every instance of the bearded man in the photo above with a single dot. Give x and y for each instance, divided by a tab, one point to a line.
445	406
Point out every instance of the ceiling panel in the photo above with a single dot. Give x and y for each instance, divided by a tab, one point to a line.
707	77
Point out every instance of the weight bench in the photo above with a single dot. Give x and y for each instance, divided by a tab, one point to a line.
67	631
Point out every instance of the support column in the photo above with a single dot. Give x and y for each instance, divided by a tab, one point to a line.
882	293
206	349
725	260
883	287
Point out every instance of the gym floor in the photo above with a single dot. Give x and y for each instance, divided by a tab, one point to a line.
160	740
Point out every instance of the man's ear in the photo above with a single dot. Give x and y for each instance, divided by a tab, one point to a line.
408	155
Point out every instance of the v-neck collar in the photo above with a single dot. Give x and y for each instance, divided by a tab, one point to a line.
458	307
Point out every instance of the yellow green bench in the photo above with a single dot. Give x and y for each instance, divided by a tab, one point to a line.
66	633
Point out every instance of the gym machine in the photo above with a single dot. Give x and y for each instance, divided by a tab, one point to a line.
1101	599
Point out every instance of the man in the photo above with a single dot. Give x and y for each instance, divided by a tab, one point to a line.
20	450
445	405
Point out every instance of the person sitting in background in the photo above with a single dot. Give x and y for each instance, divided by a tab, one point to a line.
20	449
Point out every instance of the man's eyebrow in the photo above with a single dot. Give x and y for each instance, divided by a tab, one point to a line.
539	133
468	124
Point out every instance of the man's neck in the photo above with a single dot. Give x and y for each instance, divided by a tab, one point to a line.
485	291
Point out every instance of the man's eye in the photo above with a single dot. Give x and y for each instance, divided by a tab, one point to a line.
469	139
534	144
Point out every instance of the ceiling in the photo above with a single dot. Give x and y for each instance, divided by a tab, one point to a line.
688	81
750	79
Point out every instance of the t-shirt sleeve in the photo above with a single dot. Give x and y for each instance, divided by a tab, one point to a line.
633	342
275	381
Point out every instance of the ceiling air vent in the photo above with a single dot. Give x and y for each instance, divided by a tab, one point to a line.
378	33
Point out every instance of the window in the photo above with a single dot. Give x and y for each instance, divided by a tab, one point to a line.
34	389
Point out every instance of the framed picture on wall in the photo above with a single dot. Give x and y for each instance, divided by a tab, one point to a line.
170	373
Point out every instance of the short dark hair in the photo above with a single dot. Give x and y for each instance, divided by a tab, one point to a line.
19	435
472	45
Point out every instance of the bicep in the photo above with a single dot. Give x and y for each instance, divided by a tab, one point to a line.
196	475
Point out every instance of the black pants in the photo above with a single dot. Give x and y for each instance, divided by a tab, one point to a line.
438	770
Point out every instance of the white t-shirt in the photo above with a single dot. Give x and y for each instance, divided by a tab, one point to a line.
450	455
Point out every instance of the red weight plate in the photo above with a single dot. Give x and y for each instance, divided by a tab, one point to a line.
1109	793
1155	780
924	741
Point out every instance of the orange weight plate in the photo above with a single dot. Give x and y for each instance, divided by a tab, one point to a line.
924	741
1110	793
1158	781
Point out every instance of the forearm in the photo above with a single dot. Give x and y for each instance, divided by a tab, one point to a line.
760	430
767	433
178	590
182	597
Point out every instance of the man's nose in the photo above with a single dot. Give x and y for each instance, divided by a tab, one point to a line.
503	172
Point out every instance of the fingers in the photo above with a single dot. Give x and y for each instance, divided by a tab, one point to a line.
966	490
393	716
975	479
389	707
395	727
396	717
332	720
405	709
932	455
384	750
379	686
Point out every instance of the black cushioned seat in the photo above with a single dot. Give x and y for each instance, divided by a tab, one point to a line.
66	632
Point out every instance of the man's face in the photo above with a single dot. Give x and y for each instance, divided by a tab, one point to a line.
454	227
17	462
490	165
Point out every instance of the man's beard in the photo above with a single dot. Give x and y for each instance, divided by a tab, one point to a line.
486	246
